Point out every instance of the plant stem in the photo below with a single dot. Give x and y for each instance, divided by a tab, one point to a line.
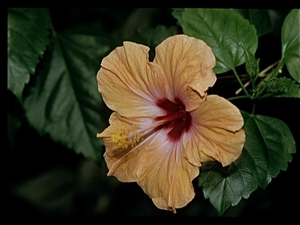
253	86
267	69
238	97
253	108
263	84
240	82
261	74
259	89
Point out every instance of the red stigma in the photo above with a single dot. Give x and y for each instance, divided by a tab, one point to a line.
176	118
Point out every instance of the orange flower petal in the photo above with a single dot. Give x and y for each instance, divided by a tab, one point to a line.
165	175
141	142
216	132
219	112
155	163
129	83
187	64
122	156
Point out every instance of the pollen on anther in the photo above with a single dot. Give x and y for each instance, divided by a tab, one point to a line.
127	136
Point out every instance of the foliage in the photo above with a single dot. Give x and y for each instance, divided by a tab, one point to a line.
64	101
222	30
268	148
52	73
290	37
259	18
269	142
27	37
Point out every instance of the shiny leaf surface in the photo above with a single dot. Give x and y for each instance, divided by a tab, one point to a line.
223	30
290	38
27	38
65	102
268	148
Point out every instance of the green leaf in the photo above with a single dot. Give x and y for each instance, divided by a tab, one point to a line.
152	37
273	85
64	101
252	64
259	18
222	30
282	87
290	38
177	14
267	150
27	37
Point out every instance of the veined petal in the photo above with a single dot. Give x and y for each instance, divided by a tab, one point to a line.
216	132
127	81
215	144
122	155
187	64
217	111
155	163
165	175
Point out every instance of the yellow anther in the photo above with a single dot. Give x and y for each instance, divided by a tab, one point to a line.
126	137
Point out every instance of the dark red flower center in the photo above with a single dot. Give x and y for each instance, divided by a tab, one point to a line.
176	119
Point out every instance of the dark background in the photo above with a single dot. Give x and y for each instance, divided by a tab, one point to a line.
46	178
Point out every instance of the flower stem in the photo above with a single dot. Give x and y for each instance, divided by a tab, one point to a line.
253	108
238	97
240	82
263	84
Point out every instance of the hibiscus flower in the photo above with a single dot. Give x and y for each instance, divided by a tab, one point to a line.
164	124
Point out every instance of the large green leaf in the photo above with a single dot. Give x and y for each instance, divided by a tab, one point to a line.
223	30
268	148
260	18
64	101
290	38
27	38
